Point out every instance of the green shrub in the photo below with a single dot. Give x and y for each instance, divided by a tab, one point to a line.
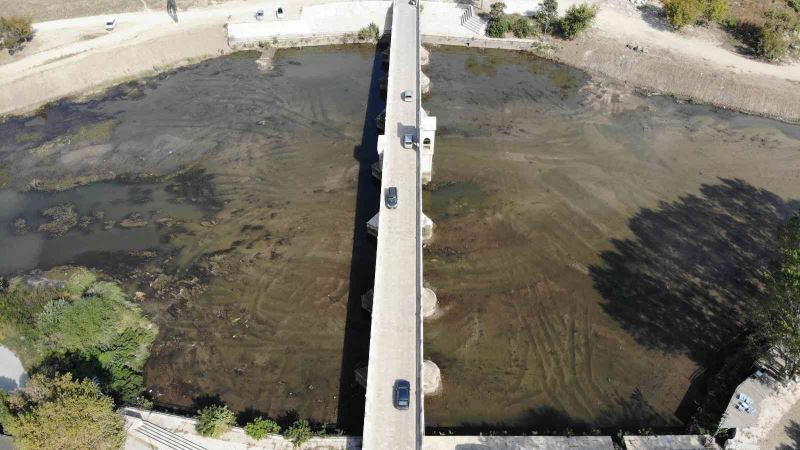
61	413
87	328
299	433
794	4
577	19
370	32
498	24
771	43
522	27
547	16
683	12
15	31
214	420
260	428
716	10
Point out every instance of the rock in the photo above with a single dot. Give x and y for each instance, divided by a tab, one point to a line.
138	295
165	222
85	221
63	218
20	226
134	220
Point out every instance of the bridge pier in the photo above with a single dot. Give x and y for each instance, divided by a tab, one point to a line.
372	225
361	376
427	142
424	56
427	228
424	83
431	378
429	303
377	167
366	300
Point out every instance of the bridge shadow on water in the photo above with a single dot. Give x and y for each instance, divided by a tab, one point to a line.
355	348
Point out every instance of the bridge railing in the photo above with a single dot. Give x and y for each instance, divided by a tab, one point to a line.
420	394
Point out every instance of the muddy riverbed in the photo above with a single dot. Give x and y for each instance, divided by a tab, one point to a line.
595	251
593	255
261	176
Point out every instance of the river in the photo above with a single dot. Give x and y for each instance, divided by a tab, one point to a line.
594	250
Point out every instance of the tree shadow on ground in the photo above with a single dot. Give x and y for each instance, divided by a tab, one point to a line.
793	433
691	274
355	348
654	16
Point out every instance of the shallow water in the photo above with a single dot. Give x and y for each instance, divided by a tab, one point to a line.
83	244
258	292
594	251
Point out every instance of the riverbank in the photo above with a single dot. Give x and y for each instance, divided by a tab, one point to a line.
73	57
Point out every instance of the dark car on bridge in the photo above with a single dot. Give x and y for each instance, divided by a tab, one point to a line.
402	394
391	198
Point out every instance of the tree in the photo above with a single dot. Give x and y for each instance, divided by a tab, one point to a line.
65	414
299	432
521	27
716	10
498	23
15	31
214	420
548	15
370	32
683	12
771	43
260	428
777	330
577	19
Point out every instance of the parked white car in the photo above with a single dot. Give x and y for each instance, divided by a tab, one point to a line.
111	22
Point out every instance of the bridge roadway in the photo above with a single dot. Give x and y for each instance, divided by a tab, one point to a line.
395	339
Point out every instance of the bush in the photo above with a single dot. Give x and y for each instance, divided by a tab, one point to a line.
683	12
498	23
214	420
771	43
87	328
370	32
299	432
65	414
497	28
547	16
577	19
522	27
261	428
794	4
15	31
716	10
